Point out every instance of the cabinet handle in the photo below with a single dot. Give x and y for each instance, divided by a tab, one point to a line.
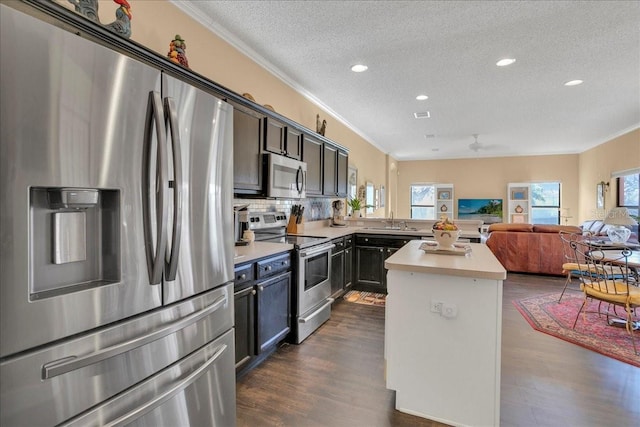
253	292
260	288
243	276
268	268
366	240
381	250
284	262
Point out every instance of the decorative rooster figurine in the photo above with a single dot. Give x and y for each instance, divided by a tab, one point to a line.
122	24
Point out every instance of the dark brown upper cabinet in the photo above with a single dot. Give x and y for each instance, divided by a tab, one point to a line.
330	183
282	139
247	154
342	172
312	156
293	143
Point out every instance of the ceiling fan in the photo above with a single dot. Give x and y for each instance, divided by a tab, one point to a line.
476	146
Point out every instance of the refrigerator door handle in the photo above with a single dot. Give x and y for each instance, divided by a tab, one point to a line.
72	363
171	119
155	260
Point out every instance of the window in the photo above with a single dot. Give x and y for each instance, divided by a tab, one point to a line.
423	201
545	203
629	195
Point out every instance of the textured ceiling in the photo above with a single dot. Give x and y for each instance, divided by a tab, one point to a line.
448	50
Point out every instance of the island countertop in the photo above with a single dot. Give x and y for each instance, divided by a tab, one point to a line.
479	263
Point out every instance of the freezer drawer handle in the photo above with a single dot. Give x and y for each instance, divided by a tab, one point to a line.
315	313
72	363
160	399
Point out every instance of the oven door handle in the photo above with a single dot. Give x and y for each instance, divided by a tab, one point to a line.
314	251
312	315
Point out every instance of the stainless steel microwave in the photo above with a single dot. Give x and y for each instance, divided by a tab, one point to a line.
285	177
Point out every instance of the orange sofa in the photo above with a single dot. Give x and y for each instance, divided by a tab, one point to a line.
529	248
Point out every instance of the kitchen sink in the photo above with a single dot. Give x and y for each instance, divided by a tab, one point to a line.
390	228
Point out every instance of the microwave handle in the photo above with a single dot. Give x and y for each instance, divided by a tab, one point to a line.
300	180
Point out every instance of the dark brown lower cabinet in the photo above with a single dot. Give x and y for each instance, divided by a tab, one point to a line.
371	252
245	326
262	309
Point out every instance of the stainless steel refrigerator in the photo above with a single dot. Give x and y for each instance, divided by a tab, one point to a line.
116	255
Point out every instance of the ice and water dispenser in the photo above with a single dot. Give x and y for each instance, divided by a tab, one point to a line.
74	239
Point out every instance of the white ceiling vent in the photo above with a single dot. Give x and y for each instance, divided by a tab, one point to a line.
423	115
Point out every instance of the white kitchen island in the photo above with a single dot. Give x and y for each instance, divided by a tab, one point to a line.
445	365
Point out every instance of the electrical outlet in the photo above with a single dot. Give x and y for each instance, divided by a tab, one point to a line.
449	310
436	306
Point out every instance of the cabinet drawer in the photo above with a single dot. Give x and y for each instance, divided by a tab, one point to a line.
339	245
368	240
243	274
270	266
393	242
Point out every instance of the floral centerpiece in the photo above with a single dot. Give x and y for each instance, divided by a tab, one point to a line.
445	232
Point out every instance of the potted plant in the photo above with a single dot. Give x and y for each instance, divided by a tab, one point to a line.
355	204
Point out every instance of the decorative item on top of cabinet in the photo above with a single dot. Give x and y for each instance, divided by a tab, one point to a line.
321	127
122	24
177	51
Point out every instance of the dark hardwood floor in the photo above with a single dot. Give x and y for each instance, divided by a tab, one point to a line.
336	376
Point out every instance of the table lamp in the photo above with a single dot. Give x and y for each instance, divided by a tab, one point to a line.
618	218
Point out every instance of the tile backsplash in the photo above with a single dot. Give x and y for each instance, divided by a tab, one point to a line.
314	209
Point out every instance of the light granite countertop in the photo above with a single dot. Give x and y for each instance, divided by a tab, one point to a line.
479	263
257	250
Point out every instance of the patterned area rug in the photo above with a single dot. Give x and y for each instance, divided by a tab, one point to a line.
368	298
545	314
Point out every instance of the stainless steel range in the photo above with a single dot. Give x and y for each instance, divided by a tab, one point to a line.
310	300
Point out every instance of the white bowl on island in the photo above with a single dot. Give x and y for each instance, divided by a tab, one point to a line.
446	238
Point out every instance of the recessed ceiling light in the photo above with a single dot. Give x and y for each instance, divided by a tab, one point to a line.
422	97
359	68
430	135
505	62
422	115
573	83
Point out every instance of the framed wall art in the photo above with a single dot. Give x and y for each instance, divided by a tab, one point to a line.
444	194
519	193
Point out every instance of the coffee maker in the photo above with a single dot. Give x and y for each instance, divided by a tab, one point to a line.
337	220
240	223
